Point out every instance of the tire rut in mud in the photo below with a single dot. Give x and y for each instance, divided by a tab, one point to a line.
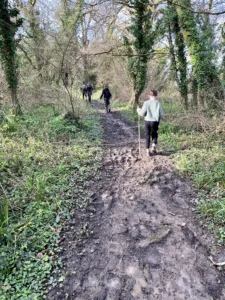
141	240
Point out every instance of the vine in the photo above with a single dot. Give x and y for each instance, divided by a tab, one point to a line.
178	57
8	29
140	46
204	70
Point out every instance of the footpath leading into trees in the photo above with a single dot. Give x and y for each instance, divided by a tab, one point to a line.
139	238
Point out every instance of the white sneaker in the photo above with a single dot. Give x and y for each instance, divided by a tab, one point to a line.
154	148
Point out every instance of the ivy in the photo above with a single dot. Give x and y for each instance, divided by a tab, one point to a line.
200	54
139	48
8	29
170	24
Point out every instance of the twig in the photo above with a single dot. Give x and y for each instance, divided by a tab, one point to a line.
7	199
216	263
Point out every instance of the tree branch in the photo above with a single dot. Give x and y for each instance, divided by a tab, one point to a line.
27	56
198	12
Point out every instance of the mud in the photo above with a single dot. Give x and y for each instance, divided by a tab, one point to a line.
138	238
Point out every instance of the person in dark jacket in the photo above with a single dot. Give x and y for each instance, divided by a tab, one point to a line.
89	92
106	95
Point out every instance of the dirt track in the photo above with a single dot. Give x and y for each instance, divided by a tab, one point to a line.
138	239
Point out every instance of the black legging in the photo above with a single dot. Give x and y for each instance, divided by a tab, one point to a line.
107	102
151	130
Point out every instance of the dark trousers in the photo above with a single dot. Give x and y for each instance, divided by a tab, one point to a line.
89	96
107	103
84	94
151	130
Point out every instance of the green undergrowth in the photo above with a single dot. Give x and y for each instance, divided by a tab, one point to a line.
46	163
126	110
203	159
199	156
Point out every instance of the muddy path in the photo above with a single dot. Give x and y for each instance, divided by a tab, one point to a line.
139	238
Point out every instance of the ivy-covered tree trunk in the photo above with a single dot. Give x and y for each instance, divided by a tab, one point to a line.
178	58
16	106
135	94
172	55
138	71
36	34
138	49
194	90
223	69
8	49
181	61
203	68
223	58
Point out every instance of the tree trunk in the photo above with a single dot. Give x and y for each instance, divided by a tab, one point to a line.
172	55
194	90
85	64
8	51
138	48
184	99
223	69
16	106
201	99
180	82
178	60
135	97
200	54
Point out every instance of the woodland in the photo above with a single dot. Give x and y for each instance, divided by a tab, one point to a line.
50	137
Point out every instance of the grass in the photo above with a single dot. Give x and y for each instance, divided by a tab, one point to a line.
45	166
198	156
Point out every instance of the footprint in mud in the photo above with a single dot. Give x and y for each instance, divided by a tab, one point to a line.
151	258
